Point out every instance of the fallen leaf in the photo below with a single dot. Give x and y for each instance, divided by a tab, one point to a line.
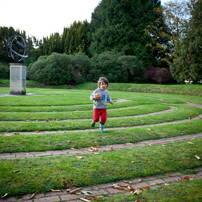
53	190
95	198
186	178
140	180
190	143
16	171
133	161
69	141
166	184
94	149
148	144
168	175
137	191
34	194
179	180
4	195
62	124
86	200
147	187
74	191
78	153
37	131
197	157
16	133
79	157
47	120
118	187
111	148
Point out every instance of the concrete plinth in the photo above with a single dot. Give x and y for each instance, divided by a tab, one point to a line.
17	79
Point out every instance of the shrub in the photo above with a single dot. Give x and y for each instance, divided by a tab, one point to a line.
157	75
59	69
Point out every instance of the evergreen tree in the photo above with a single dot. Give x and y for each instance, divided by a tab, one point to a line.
120	25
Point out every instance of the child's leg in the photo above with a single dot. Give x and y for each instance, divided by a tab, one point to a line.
103	116
96	115
103	120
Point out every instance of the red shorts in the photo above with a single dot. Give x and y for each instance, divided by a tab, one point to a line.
98	113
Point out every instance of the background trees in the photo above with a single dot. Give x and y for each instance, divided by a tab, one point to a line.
187	64
123	37
119	25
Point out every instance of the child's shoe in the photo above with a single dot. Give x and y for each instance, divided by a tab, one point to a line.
101	128
93	124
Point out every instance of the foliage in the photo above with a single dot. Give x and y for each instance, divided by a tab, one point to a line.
119	25
4	70
187	64
116	67
157	75
160	34
176	14
59	69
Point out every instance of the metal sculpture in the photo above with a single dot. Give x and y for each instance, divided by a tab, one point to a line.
17	48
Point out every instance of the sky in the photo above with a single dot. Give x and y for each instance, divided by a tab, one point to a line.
41	18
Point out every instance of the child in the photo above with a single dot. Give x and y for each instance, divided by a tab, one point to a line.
100	105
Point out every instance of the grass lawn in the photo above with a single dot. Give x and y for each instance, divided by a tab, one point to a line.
44	174
48	109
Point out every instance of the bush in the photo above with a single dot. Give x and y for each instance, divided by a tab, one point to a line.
157	75
59	69
116	67
4	70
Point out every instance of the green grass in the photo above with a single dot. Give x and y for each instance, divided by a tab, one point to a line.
184	191
183	89
23	116
183	112
44	174
59	141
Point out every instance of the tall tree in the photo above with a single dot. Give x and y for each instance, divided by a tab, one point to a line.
119	25
187	64
160	35
176	15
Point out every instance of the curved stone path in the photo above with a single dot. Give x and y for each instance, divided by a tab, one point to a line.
109	189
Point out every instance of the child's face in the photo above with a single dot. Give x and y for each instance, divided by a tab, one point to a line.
103	86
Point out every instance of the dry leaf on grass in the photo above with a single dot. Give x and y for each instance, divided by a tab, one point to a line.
186	178
53	190
148	144
37	131
137	191
4	195
190	142
197	157
166	184
95	198
79	157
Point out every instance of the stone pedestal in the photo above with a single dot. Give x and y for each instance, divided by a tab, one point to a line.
17	79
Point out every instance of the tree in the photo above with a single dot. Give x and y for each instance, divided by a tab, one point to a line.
160	35
176	14
119	25
187	64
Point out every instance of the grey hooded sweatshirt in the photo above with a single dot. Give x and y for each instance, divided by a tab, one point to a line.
100	104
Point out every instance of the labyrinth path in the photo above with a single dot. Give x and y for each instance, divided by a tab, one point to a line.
67	125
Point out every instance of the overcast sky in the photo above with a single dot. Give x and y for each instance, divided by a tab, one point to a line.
40	18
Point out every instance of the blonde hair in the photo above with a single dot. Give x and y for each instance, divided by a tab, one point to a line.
103	79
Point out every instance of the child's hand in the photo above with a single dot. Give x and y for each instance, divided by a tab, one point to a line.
111	103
